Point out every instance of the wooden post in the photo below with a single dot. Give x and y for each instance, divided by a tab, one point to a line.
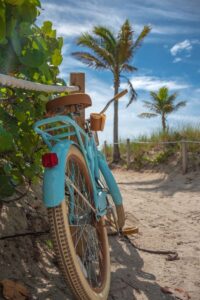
184	157
128	153
105	150
78	79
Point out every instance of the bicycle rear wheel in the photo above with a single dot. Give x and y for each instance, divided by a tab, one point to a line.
116	214
80	241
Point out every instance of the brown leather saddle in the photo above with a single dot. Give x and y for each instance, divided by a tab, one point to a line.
69	103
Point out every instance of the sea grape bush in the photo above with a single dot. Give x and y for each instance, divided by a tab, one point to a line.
32	52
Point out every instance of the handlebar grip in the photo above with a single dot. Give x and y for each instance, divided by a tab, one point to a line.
121	94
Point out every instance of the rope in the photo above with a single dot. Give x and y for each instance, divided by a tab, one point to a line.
159	142
10	81
160	252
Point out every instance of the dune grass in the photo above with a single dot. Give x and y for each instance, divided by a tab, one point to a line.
154	152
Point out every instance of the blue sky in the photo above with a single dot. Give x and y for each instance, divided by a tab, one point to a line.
169	56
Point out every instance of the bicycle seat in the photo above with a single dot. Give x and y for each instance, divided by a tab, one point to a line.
80	99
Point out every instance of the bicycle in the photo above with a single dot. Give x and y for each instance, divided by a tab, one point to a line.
77	188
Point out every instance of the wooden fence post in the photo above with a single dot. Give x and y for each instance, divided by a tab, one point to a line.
184	155
78	79
128	153
105	150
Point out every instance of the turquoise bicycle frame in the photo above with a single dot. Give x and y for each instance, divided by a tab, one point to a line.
54	178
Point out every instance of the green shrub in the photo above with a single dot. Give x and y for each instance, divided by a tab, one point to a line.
30	52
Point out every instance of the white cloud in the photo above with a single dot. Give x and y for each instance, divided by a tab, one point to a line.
70	20
185	45
150	83
177	59
68	29
184	118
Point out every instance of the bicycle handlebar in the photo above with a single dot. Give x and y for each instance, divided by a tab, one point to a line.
120	94
115	98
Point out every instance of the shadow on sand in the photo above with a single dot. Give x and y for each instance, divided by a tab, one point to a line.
169	184
128	280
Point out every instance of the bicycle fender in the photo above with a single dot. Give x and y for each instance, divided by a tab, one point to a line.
54	178
110	180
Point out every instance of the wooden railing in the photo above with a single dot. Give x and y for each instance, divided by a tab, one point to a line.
183	150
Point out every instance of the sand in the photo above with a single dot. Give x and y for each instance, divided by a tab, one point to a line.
165	207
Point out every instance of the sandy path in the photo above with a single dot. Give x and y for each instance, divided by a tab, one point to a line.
167	210
165	207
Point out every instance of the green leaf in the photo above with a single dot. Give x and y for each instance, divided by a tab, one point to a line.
25	29
49	244
60	42
16	42
20	115
14	2
2	24
6	189
11	23
7	168
47	27
32	58
26	51
27	11
56	58
6	140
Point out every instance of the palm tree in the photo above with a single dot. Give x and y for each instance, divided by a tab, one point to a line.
107	51
162	104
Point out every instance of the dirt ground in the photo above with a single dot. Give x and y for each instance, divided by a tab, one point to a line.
165	207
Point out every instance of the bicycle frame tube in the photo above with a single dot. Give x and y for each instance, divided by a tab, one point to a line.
54	178
110	180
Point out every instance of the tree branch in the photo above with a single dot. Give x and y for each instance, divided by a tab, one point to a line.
23	234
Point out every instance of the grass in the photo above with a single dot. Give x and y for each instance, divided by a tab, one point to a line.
155	153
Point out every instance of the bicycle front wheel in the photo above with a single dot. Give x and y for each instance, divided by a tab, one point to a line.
80	241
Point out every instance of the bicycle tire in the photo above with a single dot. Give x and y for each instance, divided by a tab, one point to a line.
70	258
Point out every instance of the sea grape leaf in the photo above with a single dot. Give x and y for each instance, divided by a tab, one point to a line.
2	24
32	58
56	57
6	140
14	2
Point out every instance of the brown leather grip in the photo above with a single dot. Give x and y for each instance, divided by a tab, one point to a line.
121	94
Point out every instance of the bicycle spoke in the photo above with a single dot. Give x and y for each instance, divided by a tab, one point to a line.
83	228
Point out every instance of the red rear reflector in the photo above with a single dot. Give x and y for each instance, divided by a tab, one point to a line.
49	160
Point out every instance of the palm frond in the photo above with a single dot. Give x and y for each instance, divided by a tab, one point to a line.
107	37
179	105
151	106
172	97
147	115
90	60
125	41
132	92
154	96
94	44
163	94
140	39
128	68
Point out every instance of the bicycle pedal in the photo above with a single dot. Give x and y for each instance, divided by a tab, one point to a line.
130	230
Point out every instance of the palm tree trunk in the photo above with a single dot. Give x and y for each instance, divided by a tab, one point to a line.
163	122
116	152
